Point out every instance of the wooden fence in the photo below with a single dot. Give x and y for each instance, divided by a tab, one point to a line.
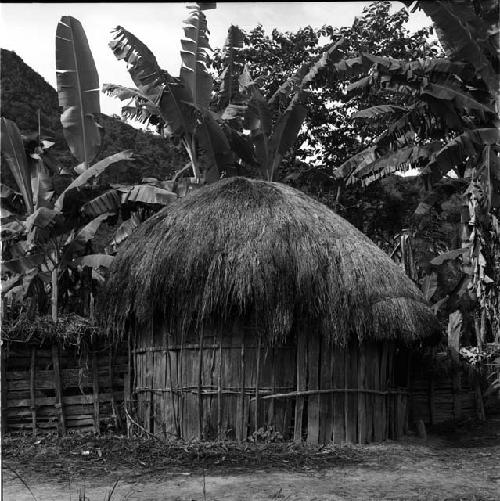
46	388
230	386
444	391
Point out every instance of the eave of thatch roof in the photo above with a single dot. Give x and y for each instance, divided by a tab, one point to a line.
266	253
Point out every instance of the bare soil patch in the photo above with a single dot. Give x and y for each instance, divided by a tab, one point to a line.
455	462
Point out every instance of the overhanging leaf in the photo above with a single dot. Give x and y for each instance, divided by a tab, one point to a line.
78	89
194	71
121	92
148	194
470	143
94	171
95	260
429	285
15	156
450	255
142	65
379	111
78	243
107	202
215	145
463	36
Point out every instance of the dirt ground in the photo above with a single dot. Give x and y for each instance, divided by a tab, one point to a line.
460	462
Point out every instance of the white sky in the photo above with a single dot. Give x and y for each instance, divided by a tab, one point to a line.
29	29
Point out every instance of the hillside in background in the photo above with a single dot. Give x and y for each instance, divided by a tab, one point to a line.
24	92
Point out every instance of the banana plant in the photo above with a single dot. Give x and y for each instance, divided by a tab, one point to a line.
181	102
272	128
451	127
49	235
243	128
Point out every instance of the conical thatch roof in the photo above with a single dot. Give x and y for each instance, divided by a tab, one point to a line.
265	253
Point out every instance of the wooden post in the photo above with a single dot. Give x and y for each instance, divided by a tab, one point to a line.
126	385
55	287
431	399
339	398
95	391
3	385
454	328
257	384
32	389
313	361
351	399
240	418
116	417
58	387
200	374
326	400
301	384
362	398
384	386
219	391
478	399
457	390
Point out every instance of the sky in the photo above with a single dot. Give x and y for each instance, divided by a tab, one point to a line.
29	29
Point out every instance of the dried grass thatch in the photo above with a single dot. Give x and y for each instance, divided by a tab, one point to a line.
268	255
69	330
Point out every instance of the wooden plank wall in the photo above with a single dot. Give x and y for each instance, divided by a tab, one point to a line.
48	389
232	386
437	398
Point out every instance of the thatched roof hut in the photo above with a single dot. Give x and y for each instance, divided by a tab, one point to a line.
264	257
266	252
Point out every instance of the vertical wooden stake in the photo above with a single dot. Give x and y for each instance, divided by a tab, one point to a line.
431	399
313	367
3	384
200	374
362	399
95	389
301	384
58	387
116	417
54	295
257	385
219	391
479	399
32	389
241	410
126	385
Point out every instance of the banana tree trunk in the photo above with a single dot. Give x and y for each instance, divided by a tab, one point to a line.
55	291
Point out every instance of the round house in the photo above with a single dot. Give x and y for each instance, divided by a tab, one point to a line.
250	308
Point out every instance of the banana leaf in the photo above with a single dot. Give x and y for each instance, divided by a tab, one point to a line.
229	78
15	156
463	36
284	136
78	90
41	184
213	142
79	242
453	154
147	194
107	202
44	224
125	230
120	92
95	260
194	71
94	171
142	65
380	111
